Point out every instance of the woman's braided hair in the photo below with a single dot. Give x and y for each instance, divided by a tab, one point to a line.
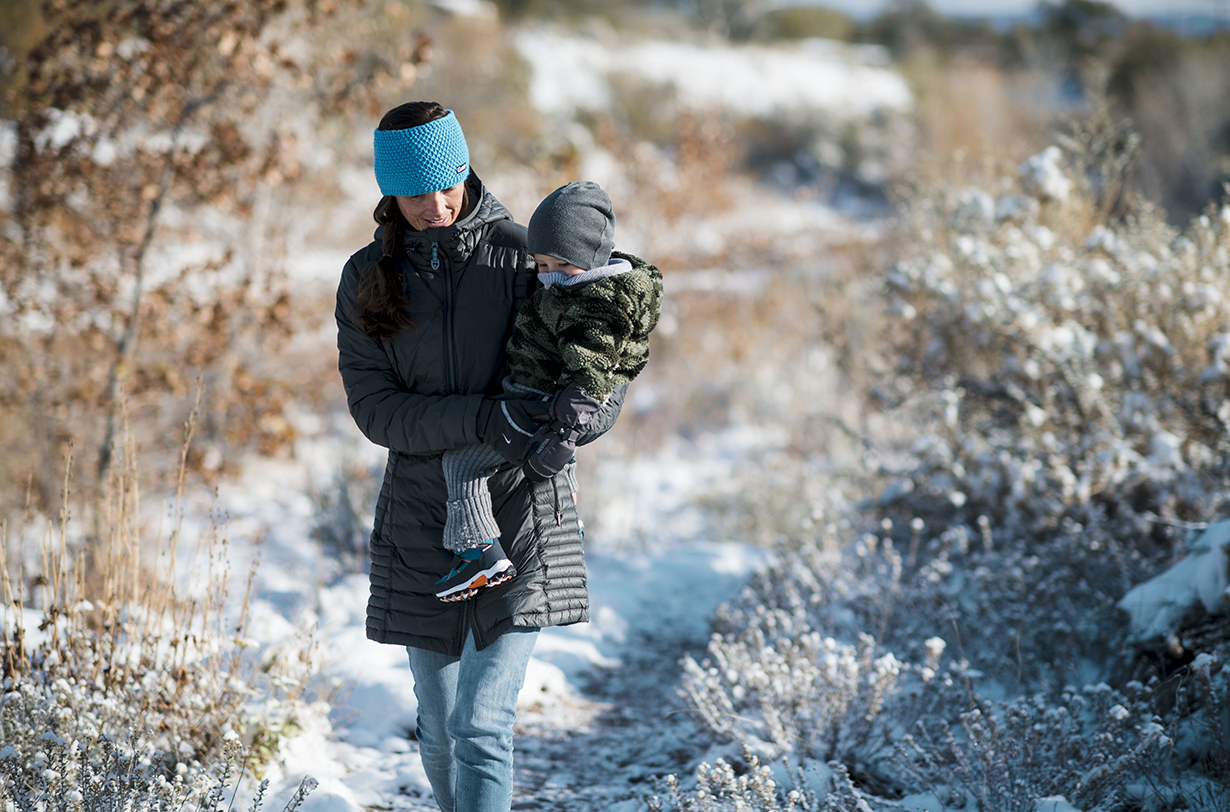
380	296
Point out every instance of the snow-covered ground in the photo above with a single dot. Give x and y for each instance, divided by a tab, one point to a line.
593	691
845	82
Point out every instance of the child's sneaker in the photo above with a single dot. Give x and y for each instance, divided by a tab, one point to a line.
474	569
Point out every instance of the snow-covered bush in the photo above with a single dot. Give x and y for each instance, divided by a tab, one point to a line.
1160	746
1062	379
781	678
1086	747
722	788
779	685
1061	364
987	638
126	660
1028	616
105	774
1192	772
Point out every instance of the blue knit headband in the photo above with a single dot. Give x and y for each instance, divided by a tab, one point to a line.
422	159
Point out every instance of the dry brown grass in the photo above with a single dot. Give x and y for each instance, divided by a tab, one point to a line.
118	619
976	108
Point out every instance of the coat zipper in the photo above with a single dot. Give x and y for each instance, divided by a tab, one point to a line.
559	513
450	350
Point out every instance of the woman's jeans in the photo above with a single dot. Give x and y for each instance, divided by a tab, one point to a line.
467	707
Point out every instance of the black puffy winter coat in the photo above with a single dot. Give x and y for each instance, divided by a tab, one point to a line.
418	394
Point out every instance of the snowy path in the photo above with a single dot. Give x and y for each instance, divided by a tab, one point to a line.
598	718
624	734
628	729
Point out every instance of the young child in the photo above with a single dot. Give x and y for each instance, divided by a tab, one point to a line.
584	333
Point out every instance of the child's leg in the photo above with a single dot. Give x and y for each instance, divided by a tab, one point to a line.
470	522
470	529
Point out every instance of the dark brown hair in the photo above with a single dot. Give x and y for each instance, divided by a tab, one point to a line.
380	296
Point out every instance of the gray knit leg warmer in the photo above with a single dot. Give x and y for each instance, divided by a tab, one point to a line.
470	521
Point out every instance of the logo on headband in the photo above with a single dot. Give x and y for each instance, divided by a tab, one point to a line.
462	168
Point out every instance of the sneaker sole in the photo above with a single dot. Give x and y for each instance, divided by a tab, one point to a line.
498	574
473	589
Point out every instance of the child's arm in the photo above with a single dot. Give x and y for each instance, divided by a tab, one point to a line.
592	348
606	338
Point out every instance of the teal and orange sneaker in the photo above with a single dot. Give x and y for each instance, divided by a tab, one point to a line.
473	570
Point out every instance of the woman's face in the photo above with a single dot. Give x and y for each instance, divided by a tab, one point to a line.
434	209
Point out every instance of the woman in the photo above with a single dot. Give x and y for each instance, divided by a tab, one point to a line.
423	314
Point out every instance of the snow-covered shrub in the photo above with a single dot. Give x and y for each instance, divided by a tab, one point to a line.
1160	746
722	788
178	693
1048	412
1086	747
135	652
801	662
779	684
967	621
1061	364
105	774
1029	616
1192	773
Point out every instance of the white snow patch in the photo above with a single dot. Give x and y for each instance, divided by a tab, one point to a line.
1055	803
477	9
1199	579
842	82
1043	176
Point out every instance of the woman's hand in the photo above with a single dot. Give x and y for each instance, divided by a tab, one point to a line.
510	426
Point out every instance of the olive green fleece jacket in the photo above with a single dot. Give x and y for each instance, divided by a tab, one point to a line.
595	334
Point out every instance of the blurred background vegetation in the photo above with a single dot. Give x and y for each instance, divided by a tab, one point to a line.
983	83
991	91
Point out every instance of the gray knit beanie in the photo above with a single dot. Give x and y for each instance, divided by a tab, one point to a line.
574	223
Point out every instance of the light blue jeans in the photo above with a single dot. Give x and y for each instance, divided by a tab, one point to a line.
467	707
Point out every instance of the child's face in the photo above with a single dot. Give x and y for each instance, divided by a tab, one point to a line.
549	264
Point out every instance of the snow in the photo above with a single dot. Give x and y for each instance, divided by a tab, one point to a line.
1198	580
478	9
862	9
1043	175
1056	803
826	78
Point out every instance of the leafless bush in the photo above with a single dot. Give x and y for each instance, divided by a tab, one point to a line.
1086	747
141	229
1190	772
794	689
753	788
